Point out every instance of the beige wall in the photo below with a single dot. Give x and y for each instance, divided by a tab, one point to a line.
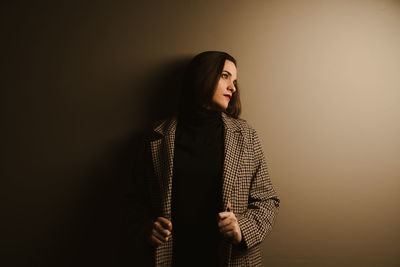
320	83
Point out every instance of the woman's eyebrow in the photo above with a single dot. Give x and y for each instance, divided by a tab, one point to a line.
230	74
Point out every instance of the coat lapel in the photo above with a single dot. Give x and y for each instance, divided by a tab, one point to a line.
162	150
234	144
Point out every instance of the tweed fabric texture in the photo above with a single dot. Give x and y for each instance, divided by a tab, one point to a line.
245	184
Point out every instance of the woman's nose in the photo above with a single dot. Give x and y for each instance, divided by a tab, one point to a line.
232	87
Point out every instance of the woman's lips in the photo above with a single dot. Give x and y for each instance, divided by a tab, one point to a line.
228	96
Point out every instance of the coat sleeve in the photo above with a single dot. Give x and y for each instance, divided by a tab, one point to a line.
263	203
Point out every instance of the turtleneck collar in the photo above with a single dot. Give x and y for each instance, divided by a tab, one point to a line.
200	116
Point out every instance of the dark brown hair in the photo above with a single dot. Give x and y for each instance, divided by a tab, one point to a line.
200	81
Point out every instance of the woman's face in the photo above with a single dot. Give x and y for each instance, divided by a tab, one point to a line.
226	86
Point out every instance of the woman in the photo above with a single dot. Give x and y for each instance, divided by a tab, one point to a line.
212	202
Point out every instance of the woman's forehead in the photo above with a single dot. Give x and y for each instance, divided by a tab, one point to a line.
230	68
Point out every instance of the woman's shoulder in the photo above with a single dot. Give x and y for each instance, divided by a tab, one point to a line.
161	122
240	124
165	125
166	121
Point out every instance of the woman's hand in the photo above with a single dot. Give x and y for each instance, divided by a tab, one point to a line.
161	232
228	226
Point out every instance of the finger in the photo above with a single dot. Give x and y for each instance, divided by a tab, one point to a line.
224	214
231	226
155	241
165	222
229	234
159	236
161	229
229	207
226	229
224	222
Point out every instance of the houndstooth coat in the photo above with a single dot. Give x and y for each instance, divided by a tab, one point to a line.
245	184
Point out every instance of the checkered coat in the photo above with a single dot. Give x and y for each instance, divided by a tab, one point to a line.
245	184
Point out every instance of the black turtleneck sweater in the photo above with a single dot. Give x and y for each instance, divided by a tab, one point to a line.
196	188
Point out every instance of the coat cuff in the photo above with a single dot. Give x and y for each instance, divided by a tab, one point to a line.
249	236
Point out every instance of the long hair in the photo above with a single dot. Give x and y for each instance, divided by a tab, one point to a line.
200	81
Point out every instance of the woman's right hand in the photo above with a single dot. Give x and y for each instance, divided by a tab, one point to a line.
161	232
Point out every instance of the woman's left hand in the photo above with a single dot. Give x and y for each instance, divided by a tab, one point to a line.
228	226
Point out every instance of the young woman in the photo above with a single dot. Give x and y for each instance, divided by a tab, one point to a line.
212	202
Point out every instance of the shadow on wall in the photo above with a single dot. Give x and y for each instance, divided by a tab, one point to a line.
164	86
164	89
110	213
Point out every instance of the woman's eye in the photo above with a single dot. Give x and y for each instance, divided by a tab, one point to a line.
224	75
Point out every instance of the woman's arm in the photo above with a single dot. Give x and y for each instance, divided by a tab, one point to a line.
257	221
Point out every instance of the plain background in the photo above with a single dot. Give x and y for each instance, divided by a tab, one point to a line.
320	82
